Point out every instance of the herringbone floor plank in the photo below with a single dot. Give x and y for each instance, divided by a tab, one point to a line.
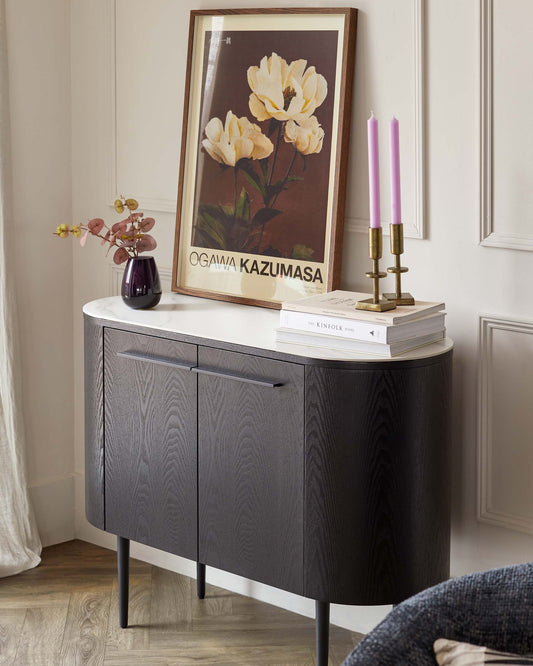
65	613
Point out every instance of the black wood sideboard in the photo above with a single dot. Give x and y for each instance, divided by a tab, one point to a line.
324	476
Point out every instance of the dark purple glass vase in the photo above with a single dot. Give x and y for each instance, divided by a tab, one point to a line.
141	288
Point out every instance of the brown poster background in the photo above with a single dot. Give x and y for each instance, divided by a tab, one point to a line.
225	87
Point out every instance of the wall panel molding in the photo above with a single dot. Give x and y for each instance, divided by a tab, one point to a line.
415	229
488	511
489	235
485	159
147	202
111	101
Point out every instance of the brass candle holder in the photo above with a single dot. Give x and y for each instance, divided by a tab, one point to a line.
375	248
398	297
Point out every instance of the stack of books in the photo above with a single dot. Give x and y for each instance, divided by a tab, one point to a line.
331	321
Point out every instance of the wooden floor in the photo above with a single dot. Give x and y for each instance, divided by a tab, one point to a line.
65	612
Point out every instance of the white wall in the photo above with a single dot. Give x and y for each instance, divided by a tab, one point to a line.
39	72
464	179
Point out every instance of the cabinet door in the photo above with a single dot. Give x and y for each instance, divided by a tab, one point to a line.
150	441
250	453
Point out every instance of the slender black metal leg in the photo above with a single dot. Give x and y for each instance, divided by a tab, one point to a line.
322	632
123	559
200	580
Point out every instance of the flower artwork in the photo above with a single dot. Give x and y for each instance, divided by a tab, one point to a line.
284	96
285	91
264	153
128	238
237	140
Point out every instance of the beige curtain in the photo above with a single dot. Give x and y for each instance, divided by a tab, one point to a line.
20	546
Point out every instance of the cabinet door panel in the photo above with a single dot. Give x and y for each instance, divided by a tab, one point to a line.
150	441
251	466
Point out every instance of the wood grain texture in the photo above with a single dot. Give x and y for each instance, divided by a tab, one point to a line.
11	623
250	469
216	655
377	482
42	636
334	485
150	444
170	610
205	611
84	638
273	10
51	586
235	630
136	635
94	423
343	147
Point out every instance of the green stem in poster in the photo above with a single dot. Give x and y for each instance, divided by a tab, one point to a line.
270	200
235	170
278	140
286	178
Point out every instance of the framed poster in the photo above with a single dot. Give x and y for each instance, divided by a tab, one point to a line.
264	153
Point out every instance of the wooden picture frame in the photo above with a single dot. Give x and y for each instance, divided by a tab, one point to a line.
264	153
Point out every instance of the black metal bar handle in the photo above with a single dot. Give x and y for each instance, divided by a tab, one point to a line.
237	378
158	360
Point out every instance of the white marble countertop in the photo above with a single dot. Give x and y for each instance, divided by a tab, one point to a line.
231	323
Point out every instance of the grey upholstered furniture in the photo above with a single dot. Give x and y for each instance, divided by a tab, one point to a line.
492	608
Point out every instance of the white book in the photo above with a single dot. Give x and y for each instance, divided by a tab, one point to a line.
291	336
355	329
340	303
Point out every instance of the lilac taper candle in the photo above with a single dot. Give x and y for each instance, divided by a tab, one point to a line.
396	202
373	172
